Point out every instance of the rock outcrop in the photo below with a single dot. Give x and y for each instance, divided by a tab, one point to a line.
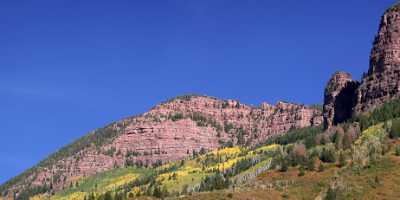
339	99
382	82
344	97
172	131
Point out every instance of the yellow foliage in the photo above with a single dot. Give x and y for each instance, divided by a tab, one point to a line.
136	191
228	151
373	131
271	147
225	165
120	181
73	196
37	197
179	173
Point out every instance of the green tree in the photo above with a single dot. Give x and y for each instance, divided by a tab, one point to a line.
327	155
397	150
342	159
395	129
301	171
311	163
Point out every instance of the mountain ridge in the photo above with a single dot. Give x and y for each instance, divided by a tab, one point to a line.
190	125
177	112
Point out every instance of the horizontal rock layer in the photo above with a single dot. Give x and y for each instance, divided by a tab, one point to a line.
175	130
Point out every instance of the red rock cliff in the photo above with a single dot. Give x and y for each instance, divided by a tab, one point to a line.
382	82
174	130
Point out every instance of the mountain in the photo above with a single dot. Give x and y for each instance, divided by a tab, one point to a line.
170	131
344	96
193	145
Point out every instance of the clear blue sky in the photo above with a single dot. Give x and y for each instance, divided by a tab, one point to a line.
69	66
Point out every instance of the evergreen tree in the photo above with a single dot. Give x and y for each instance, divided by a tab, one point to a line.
342	159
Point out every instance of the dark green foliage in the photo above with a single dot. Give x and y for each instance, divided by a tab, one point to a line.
308	134
130	153
331	194
216	181
228	143
204	121
342	159
176	117
228	127
327	156
241	166
397	150
240	136
387	111
310	163
394	132
301	171
25	194
186	97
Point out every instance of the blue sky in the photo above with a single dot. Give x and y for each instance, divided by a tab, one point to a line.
69	66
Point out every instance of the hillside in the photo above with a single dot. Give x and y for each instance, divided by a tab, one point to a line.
170	131
200	147
347	162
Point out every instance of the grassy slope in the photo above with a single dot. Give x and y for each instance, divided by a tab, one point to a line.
102	182
269	185
288	185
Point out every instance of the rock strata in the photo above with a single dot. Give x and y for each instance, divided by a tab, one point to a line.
382	82
174	130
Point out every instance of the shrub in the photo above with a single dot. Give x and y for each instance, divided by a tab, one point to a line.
176	117
342	159
370	150
301	171
321	167
308	134
397	150
331	194
310	164
327	155
387	111
394	132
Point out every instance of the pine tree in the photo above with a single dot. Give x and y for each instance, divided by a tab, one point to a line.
342	159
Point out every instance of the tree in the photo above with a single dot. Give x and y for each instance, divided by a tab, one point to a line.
331	194
108	196
321	167
347	140
338	138
284	166
395	129
311	163
397	150
342	159
301	171
327	155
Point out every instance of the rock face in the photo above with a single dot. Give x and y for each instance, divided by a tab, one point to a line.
382	82
344	97
339	99
172	131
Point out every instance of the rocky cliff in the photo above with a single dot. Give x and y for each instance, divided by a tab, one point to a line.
170	131
379	85
339	99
